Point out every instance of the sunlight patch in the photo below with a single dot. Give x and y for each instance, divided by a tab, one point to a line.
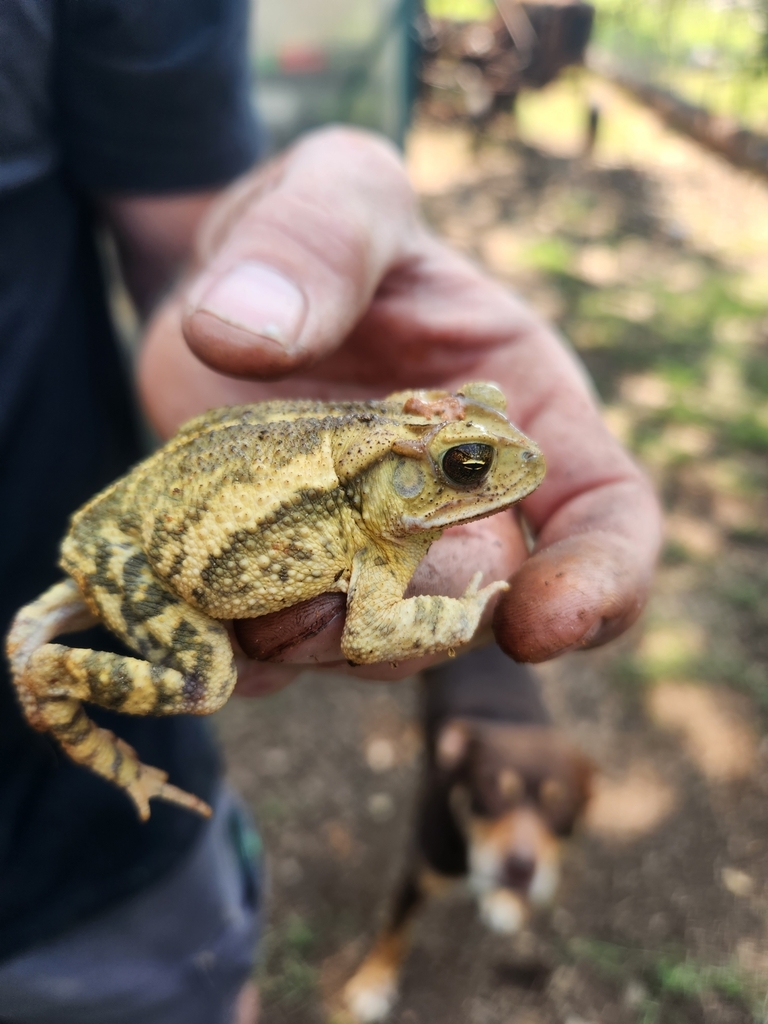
711	724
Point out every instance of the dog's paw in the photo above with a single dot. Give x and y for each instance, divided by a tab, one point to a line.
371	993
503	911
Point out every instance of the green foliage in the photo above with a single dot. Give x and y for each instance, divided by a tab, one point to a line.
666	976
288	978
693	980
745	595
298	936
680	375
461	10
756	371
715	55
271	810
747	432
553	254
610	958
295	983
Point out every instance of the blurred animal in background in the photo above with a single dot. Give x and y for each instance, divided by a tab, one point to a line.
525	46
502	789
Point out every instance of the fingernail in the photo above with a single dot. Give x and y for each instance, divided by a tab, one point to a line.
259	300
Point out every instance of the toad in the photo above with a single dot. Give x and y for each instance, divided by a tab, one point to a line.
246	511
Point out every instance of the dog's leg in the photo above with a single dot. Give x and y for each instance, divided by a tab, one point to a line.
503	911
371	993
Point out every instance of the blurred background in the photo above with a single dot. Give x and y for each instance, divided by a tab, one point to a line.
610	162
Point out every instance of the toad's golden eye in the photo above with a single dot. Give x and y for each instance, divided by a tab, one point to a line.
467	465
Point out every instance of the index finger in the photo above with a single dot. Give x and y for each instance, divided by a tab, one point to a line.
595	518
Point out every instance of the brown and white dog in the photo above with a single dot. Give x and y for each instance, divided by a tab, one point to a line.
502	789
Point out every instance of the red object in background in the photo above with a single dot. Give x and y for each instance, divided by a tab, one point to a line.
302	60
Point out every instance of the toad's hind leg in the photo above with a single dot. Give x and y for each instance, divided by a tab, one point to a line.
61	609
191	671
59	678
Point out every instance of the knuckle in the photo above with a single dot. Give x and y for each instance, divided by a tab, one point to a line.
314	236
357	144
368	159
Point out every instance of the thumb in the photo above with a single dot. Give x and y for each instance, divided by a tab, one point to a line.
300	254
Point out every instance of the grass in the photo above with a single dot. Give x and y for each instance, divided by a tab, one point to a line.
288	978
271	809
661	979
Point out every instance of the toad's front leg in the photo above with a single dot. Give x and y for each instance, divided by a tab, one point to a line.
190	669
383	626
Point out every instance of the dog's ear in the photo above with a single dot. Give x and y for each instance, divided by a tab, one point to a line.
511	785
460	802
555	797
563	798
452	743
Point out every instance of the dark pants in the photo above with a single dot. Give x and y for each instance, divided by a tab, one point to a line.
177	953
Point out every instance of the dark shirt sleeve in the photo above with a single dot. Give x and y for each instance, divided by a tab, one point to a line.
154	95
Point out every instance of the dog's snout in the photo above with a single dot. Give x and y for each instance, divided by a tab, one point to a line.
518	871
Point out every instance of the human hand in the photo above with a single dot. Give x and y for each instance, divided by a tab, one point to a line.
316	278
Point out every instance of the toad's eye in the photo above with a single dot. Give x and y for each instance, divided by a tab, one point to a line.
467	465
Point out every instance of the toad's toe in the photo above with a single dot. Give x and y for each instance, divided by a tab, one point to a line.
151	783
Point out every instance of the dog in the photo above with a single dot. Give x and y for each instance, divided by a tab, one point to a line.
502	789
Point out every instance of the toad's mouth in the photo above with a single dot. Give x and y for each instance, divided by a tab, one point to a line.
456	513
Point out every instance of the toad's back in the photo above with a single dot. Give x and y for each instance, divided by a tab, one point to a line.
241	513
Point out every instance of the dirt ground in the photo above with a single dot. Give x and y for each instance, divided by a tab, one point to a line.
653	258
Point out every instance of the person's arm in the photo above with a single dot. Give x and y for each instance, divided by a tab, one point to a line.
155	237
153	119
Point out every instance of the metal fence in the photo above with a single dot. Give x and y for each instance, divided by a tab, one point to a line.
347	61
